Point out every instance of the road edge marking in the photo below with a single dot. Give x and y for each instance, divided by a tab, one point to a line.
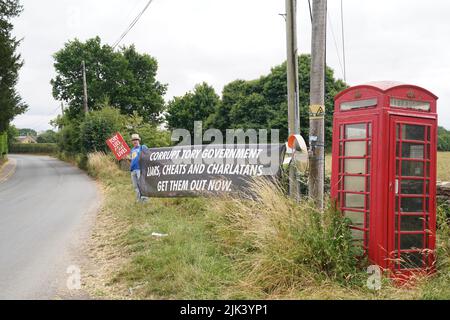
10	162
4	164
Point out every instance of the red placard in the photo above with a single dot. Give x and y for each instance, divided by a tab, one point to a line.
118	146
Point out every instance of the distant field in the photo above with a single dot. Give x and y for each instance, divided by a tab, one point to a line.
328	164
443	166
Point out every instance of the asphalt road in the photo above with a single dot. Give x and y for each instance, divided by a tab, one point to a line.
46	209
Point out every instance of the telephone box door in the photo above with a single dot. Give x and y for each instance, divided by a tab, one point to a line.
412	182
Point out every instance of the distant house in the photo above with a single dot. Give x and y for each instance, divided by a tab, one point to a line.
26	139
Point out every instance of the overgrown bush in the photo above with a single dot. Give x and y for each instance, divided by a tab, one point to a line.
89	133
97	127
69	137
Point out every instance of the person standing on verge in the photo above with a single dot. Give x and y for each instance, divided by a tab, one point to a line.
134	167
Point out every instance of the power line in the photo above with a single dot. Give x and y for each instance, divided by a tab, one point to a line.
343	41
334	38
335	45
41	122
132	24
310	10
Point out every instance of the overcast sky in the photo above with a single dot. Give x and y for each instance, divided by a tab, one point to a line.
219	41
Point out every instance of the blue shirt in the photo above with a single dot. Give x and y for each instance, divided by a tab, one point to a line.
135	153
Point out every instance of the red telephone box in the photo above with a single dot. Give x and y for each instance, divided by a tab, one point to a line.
384	172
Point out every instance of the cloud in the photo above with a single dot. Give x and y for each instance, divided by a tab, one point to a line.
223	40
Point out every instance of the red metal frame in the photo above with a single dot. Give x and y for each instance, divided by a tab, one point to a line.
395	196
381	192
342	174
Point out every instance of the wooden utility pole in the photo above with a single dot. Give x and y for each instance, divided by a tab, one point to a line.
292	86
85	93
317	103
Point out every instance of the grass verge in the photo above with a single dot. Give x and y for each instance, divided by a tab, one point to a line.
186	264
264	248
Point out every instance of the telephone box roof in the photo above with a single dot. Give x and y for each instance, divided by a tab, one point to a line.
384	86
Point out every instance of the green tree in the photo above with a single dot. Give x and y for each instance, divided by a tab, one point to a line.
13	133
443	139
27	132
11	103
262	103
49	136
193	106
125	77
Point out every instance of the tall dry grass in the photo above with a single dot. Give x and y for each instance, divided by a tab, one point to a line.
280	245
103	166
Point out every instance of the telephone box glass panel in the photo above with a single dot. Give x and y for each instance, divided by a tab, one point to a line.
410	104
354	173
412	194
358	104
